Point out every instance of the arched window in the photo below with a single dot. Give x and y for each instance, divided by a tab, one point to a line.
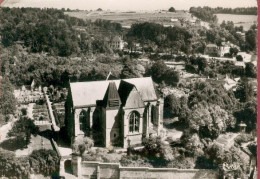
68	166
83	121
134	122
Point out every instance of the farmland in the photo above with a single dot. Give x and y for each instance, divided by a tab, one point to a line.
126	19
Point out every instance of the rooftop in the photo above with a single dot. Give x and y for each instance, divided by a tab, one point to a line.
211	45
87	93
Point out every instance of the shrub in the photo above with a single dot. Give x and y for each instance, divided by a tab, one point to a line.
155	148
239	58
23	129
44	161
82	144
24	111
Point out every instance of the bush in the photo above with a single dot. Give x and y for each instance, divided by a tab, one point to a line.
239	58
182	163
44	162
161	73
24	111
23	129
156	149
134	161
82	144
12	166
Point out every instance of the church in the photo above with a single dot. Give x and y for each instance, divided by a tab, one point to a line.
114	113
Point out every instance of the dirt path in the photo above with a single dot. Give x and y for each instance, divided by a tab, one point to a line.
5	129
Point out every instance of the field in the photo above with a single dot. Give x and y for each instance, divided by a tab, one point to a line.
239	20
126	19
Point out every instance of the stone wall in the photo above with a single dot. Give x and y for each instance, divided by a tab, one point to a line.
88	169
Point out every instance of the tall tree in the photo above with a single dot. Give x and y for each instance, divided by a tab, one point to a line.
7	99
23	129
171	9
250	70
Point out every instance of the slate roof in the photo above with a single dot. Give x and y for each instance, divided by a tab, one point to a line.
87	93
130	96
116	39
212	45
112	95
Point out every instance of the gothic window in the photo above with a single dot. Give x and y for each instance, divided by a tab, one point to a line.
154	115
83	120
134	122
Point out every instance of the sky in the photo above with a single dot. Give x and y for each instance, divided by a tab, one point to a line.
128	4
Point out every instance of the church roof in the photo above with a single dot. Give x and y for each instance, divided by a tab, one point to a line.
116	39
87	93
129	95
112	98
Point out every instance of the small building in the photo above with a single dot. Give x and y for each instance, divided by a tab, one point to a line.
224	50
242	127
115	42
212	50
174	20
230	83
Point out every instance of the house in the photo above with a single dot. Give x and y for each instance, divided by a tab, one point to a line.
115	42
243	35
113	113
224	50
230	83
174	20
212	50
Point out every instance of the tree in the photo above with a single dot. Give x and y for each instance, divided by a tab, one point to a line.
194	146
12	167
24	111
154	147
171	77
253	148
23	129
244	91
82	144
202	63
248	114
209	121
160	72
239	58
172	105
251	38
171	9
204	92
233	51
250	70
129	70
44	162
7	99
157	71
